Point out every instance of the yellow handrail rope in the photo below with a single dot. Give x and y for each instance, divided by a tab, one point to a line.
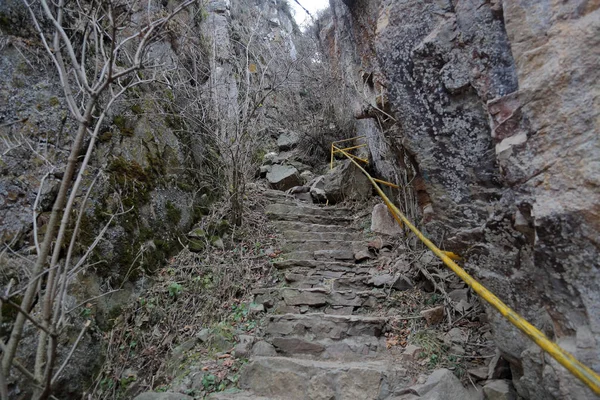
386	183
566	359
347	140
352	148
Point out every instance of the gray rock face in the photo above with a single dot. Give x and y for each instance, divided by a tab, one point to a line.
497	103
283	177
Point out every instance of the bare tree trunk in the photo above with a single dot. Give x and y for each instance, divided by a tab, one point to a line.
58	207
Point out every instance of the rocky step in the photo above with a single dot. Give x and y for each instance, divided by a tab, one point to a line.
338	235
300	379
294	300
319	335
347	349
345	255
297	226
320	245
364	280
308	214
278	195
317	326
305	264
279	208
241	395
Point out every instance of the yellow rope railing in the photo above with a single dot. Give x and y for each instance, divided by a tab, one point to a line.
566	359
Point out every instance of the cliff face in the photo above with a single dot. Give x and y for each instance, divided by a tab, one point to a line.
495	105
151	166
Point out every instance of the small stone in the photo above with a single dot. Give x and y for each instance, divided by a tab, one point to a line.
382	280
243	347
459	294
307	176
479	374
362	255
204	335
317	190
264	170
402	283
457	350
269	158
375	244
411	352
499	390
256	308
433	316
263	349
462	306
12	196
456	335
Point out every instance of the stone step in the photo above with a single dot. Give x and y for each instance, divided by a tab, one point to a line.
321	299
279	208
321	245
300	379
317	326
307	227
347	349
242	395
316	264
308	214
291	235
334	280
321	255
277	194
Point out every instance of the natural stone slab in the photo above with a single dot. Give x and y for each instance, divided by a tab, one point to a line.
383	222
293	345
323	326
300	379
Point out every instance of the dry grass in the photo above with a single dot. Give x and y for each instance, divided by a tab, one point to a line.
191	292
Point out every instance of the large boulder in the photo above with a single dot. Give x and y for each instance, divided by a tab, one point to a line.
283	177
346	182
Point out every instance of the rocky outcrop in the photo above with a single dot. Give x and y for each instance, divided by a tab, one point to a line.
495	108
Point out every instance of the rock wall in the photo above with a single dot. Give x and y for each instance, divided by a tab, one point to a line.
496	105
148	161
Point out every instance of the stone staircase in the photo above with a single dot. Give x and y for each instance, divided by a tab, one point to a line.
323	340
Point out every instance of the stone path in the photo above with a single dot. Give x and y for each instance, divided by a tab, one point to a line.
321	339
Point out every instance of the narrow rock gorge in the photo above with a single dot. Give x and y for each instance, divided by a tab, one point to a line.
175	226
